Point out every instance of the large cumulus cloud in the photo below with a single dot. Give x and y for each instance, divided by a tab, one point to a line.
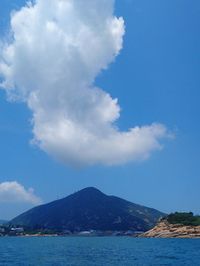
55	51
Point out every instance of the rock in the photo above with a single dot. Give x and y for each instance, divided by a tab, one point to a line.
166	230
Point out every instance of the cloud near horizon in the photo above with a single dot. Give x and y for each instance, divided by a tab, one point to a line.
13	192
56	50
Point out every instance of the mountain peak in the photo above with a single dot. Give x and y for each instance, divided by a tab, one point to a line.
88	195
90	190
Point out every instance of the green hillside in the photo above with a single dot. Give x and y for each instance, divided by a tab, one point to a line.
185	218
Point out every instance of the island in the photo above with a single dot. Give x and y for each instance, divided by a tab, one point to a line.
176	225
88	212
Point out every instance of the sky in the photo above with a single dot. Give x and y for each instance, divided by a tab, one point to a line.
148	61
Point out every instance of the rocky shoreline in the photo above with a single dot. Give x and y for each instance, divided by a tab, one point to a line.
166	230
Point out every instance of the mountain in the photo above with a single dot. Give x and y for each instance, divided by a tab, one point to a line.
89	209
3	222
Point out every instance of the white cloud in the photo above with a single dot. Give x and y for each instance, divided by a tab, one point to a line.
57	50
15	192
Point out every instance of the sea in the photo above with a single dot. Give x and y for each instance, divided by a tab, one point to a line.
98	251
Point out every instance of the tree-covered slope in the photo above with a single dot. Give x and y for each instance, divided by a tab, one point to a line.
184	218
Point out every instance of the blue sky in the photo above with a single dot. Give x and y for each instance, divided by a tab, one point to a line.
156	79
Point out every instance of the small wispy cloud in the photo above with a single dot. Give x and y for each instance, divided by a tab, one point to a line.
56	51
12	192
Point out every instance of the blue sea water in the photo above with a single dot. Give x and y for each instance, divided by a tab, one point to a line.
98	251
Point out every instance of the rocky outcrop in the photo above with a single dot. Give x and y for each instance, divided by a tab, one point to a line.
166	230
